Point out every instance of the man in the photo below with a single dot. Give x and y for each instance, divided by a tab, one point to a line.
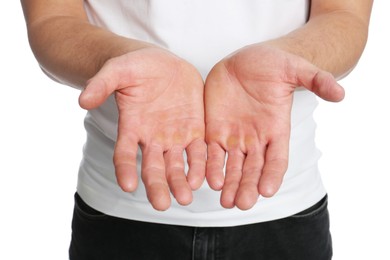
170	77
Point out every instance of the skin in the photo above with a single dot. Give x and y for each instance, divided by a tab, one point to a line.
254	133
168	118
260	80
161	110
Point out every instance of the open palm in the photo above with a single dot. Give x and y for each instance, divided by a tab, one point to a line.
248	99
160	105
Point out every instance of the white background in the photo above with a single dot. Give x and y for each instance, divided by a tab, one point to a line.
41	137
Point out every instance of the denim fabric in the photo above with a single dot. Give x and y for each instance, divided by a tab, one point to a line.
303	236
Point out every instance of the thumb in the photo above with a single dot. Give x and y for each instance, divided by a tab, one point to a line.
95	93
320	82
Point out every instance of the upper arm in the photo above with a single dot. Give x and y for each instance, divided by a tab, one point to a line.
361	9
36	11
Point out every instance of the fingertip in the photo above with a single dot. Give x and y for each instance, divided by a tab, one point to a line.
246	197
246	203
162	202
129	186
215	181
196	158
95	93
271	179
184	199
267	190
270	183
214	174
181	191
227	201
126	179
195	181
85	100
327	88
339	93
215	166
161	206
158	195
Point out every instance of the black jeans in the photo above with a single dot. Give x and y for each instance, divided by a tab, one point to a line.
304	236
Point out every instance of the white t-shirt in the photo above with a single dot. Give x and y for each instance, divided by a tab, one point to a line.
201	32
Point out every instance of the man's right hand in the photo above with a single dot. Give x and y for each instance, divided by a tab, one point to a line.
160	103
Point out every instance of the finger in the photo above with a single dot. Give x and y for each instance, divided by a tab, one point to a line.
97	91
153	177
248	192
214	166
196	158
125	159
177	181
320	82
275	166
234	166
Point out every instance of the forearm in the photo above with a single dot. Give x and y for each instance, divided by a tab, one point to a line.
72	50
332	41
